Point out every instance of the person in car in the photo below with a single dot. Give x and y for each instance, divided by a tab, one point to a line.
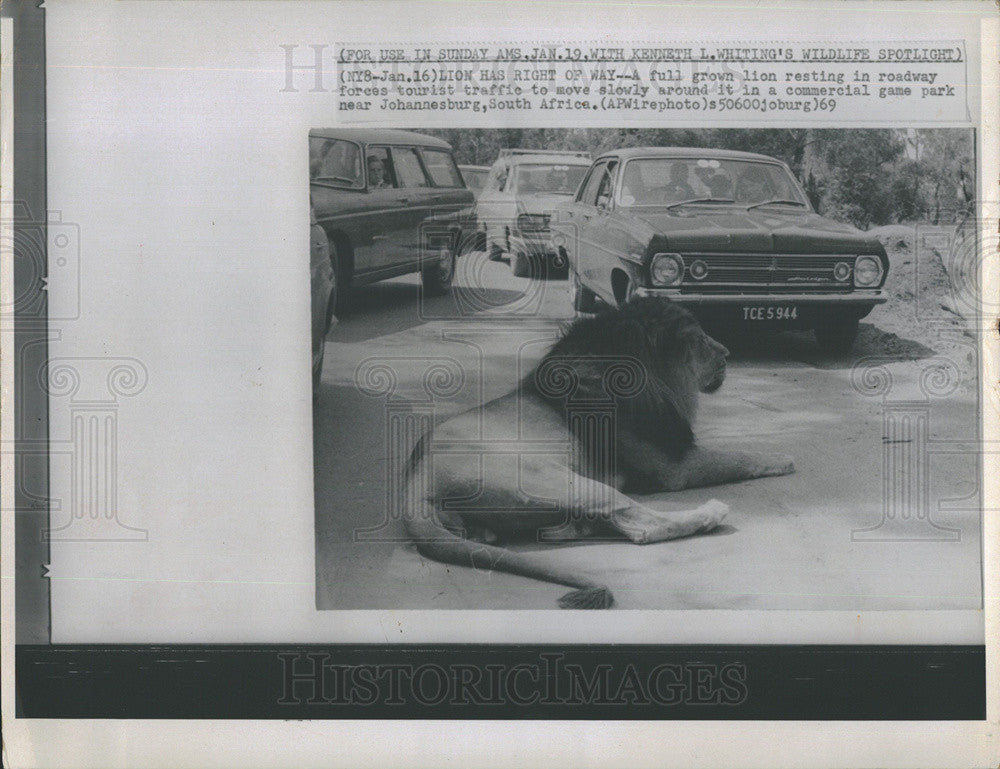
557	180
753	186
679	188
376	173
711	183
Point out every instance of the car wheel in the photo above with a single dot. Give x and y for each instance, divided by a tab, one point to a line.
584	300
521	265
837	335
331	305
317	372
331	319
493	251
437	276
557	267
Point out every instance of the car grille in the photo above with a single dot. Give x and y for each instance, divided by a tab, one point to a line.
774	273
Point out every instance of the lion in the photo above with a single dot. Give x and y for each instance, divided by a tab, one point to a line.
486	474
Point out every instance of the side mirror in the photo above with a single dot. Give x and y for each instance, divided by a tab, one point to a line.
603	204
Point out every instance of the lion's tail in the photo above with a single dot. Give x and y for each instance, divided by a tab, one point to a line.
435	541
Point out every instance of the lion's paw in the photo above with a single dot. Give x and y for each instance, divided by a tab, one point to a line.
712	514
775	464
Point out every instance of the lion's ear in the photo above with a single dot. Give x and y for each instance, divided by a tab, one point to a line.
665	342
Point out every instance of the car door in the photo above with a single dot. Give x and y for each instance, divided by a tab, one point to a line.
450	193
604	236
451	199
416	200
381	228
585	226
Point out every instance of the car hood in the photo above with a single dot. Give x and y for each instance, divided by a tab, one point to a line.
756	230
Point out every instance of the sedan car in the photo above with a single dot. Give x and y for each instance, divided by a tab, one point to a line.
388	203
514	208
729	234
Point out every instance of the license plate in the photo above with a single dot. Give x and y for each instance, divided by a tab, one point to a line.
770	312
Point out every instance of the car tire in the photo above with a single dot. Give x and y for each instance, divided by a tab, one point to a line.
331	305
339	304
521	265
331	319
479	241
837	335
493	252
438	276
584	300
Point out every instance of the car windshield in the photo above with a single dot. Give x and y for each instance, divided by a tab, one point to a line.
676	182
550	178
335	162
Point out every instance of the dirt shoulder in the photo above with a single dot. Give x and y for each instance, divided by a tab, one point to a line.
928	297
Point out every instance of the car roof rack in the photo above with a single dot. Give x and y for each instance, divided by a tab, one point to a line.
568	153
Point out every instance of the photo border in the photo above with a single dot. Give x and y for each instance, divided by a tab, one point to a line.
181	669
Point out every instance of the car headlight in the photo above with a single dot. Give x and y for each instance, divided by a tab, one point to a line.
666	269
532	222
841	271
867	271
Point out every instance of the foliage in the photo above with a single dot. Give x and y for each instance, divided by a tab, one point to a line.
864	176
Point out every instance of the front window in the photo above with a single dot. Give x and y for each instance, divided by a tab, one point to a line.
335	162
597	189
380	170
552	178
669	181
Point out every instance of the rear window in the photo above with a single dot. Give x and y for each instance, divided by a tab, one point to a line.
442	169
408	170
552	178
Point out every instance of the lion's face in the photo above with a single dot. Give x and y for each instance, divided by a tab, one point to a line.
708	358
679	344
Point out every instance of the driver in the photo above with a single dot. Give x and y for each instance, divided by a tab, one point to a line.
678	188
557	180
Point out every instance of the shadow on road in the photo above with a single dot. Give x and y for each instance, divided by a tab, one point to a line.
800	346
393	306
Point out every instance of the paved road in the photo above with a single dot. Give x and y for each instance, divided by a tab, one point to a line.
817	539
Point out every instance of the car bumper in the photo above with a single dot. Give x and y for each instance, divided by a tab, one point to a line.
854	299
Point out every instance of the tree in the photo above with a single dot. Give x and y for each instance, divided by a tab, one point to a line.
866	176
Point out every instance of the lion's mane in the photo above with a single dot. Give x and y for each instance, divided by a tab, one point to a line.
648	334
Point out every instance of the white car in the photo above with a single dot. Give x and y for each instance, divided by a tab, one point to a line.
515	206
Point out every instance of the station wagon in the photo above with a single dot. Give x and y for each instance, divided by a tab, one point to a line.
389	203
